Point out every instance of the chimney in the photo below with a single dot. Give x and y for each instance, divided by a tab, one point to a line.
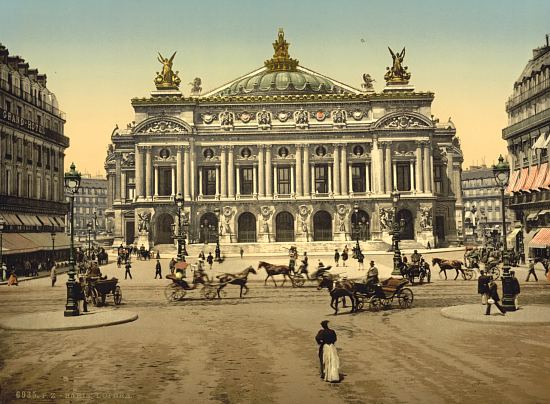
32	73
4	52
42	79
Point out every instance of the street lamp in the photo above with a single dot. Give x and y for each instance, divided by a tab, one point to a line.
72	184
356	225
218	251
179	200
501	171
89	227
53	245
2	223
397	227
473	209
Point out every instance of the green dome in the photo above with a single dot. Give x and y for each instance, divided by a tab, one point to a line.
282	83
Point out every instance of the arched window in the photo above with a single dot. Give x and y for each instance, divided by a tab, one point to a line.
284	227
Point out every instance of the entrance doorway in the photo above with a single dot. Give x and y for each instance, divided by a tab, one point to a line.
208	228
322	226
130	234
360	226
164	229
247	228
284	227
408	230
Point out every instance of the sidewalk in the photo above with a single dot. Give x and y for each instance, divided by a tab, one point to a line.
41	274
475	313
56	321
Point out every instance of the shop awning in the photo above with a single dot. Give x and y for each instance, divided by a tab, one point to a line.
539	144
521	180
511	238
546	183
533	171
532	216
539	181
541	239
512	182
11	219
20	243
544	212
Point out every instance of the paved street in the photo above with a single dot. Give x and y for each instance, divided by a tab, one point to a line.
261	349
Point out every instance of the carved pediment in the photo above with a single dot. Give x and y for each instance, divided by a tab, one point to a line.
163	125
401	120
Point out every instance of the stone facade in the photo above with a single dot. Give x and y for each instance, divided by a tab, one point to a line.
282	154
90	205
528	138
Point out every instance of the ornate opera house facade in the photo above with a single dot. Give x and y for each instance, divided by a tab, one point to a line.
285	154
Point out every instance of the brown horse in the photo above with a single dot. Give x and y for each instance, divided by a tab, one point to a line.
239	279
339	290
272	270
449	264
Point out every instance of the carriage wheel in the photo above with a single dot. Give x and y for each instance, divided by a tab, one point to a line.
428	275
209	292
469	274
95	298
375	303
174	292
298	281
118	295
359	302
405	298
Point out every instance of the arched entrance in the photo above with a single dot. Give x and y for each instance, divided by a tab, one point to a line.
164	229
208	230
408	230
246	228
361	227
284	227
322	226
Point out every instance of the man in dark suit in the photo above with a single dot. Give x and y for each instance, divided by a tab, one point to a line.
324	336
483	286
493	295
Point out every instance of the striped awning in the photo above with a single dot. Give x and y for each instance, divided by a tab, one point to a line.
532	216
511	238
521	180
541	176
546	183
541	239
22	243
512	182
533	171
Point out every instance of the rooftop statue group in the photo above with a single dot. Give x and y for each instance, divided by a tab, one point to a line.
167	79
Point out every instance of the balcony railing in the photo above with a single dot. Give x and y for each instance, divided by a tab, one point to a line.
526	123
518	99
26	96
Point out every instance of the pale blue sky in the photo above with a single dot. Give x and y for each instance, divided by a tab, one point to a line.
99	54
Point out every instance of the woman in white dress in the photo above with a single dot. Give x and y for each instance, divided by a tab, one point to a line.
328	357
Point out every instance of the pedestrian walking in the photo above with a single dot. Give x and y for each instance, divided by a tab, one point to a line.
336	257
158	255
210	259
515	288
127	273
158	269
242	252
201	255
483	286
329	362
4	271
493	299
344	256
531	271
119	261
53	275
172	265
360	259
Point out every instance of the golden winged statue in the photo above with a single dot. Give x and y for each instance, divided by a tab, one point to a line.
398	73
167	79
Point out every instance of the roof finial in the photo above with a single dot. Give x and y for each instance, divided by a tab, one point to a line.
281	59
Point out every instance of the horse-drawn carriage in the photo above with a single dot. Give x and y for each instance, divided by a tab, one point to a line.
97	289
418	269
381	295
179	287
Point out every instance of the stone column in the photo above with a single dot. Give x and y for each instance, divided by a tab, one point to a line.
186	174
148	170
254	181
312	169
193	169
223	170
200	181
394	176
418	168
139	172
217	182
275	181
261	171
368	185
411	173
330	179
117	177
336	164
156	181
173	180
299	178
238	181
230	173
344	170
387	168
292	187
376	166
306	173
268	173
350	179
179	171
123	185
427	168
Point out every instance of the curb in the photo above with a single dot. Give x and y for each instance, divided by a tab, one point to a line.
500	320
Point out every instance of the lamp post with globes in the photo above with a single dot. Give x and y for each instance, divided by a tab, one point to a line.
72	184
182	251
52	235
397	227
356	225
473	209
501	171
218	230
2	223
89	227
